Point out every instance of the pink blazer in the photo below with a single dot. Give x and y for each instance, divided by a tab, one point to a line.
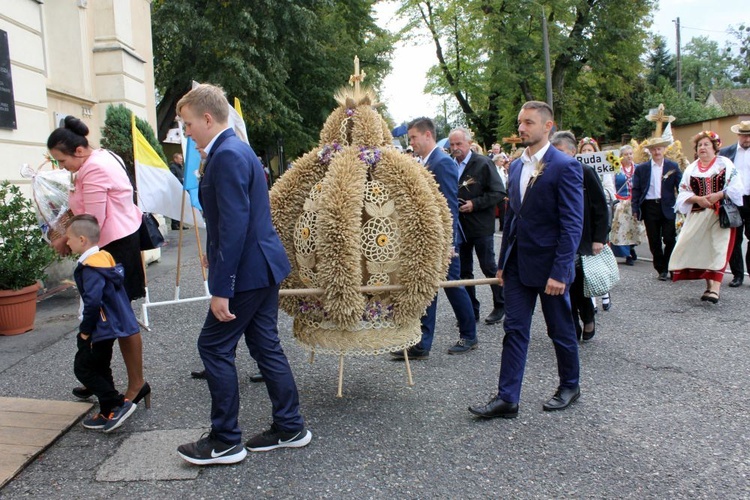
102	189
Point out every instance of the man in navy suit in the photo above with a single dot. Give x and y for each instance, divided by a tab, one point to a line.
655	186
246	263
480	189
537	259
739	153
422	138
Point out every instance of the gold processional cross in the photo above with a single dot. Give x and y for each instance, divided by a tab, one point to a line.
657	115
357	77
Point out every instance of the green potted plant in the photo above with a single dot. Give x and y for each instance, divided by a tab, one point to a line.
24	257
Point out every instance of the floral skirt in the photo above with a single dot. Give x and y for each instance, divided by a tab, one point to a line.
626	229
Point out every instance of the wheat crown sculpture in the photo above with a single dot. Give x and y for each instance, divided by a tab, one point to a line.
357	212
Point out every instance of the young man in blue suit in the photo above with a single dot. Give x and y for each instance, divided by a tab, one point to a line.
246	263
537	259
655	185
422	139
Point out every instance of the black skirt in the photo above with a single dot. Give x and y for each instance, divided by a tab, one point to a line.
127	251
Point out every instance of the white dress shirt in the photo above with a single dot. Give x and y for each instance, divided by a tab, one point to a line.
529	165
654	188
742	162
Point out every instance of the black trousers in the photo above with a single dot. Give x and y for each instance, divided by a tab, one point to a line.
580	305
92	369
659	230
736	263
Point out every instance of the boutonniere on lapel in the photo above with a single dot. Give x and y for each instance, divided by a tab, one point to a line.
666	176
466	183
201	169
537	173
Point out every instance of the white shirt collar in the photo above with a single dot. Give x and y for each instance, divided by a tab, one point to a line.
427	158
88	253
537	156
210	145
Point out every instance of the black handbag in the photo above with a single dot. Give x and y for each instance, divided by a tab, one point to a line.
149	232
729	214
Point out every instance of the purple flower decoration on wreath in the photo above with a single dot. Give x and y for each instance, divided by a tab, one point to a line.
349	112
370	156
326	154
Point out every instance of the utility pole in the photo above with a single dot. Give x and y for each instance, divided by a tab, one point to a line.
547	70
679	59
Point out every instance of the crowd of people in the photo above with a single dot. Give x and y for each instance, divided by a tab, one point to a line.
554	210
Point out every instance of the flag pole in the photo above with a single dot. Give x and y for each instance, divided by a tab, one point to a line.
179	249
200	254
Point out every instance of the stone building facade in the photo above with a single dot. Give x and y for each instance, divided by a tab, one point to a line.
72	57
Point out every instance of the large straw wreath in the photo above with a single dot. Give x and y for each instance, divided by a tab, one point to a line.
356	211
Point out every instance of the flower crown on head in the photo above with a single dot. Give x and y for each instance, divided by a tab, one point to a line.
711	135
588	140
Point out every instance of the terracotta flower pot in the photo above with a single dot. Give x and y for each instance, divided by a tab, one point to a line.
18	309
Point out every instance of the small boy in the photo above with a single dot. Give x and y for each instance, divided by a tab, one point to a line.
107	315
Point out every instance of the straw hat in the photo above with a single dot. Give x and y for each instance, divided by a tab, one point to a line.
655	142
742	128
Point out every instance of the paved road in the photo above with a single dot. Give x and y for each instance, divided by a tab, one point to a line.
663	412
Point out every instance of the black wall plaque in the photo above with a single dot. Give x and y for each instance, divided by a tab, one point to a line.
7	104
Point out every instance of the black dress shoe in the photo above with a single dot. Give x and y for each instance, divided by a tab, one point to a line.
198	374
495	408
257	378
563	398
663	276
496	316
82	393
737	281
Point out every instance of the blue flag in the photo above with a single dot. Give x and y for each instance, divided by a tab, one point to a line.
192	167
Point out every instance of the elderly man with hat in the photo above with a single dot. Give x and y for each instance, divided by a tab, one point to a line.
739	153
655	186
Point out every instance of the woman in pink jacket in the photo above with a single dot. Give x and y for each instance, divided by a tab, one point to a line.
101	188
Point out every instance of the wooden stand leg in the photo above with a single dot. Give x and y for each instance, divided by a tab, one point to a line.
341	377
409	380
312	356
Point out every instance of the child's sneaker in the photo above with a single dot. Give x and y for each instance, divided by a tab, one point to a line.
274	438
119	415
97	422
208	451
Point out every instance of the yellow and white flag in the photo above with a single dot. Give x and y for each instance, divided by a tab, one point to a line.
159	191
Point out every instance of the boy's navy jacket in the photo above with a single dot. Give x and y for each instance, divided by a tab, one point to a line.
106	309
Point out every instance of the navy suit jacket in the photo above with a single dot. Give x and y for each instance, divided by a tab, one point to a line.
485	191
244	252
729	152
546	227
670	184
445	171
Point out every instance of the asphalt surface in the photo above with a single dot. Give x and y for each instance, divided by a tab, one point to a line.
663	411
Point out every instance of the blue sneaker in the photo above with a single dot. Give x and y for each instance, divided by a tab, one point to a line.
96	422
119	415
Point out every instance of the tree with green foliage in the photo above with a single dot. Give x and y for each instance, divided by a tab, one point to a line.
117	135
681	106
742	60
706	67
661	64
490	57
284	59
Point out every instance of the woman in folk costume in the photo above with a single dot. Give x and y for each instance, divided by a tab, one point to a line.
702	250
626	229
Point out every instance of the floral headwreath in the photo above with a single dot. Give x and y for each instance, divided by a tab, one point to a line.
713	136
588	140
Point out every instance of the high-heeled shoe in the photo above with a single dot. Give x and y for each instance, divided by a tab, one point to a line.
144	394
